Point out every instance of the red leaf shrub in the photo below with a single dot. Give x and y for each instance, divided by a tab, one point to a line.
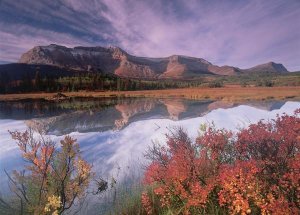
254	171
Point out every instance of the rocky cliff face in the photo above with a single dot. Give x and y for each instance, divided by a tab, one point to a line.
78	58
116	61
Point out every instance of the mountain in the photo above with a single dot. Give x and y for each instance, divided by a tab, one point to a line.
268	67
114	60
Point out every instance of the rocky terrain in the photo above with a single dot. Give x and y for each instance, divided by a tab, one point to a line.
113	60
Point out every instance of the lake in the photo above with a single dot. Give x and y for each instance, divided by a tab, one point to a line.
115	133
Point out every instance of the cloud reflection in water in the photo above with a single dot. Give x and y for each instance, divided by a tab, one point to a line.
124	148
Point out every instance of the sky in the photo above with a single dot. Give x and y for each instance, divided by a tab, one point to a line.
240	33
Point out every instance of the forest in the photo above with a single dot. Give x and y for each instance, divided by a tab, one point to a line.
105	82
86	81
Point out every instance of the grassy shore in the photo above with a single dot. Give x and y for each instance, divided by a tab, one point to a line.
227	93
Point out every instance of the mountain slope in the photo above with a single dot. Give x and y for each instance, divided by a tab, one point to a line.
268	67
114	60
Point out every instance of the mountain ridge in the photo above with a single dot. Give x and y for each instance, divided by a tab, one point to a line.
114	60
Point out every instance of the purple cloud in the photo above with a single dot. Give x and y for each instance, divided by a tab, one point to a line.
239	33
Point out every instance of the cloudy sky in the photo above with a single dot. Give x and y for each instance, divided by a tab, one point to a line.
242	33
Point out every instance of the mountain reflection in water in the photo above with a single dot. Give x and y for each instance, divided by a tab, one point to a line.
114	134
86	115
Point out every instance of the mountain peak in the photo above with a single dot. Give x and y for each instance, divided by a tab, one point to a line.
115	60
115	48
117	52
272	63
55	45
269	67
51	47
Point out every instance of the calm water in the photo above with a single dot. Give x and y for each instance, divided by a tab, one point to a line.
114	133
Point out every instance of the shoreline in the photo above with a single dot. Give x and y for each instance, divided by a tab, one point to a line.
227	93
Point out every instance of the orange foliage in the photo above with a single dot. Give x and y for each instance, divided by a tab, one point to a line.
54	177
254	171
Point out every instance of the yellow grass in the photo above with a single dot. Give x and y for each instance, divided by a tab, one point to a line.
227	93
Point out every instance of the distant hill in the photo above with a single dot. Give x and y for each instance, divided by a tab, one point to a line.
268	67
114	60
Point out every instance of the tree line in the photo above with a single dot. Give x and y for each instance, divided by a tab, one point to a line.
86	81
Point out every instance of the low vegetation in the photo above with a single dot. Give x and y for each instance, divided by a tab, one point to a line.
54	179
216	84
227	93
253	171
256	171
266	79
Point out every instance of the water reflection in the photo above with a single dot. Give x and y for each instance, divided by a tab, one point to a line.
114	134
85	115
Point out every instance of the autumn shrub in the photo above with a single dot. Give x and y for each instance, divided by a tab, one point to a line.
54	179
253	171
